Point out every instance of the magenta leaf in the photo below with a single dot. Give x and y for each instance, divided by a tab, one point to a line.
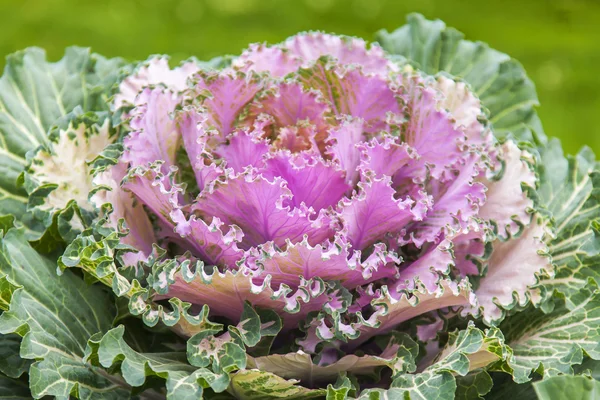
154	134
373	212
261	208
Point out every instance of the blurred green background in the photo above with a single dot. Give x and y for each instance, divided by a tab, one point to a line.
558	41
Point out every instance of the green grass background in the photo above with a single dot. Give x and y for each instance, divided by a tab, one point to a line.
558	41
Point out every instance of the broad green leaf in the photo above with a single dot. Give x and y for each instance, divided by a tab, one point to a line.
6	222
341	390
455	356
499	81
249	327
11	363
270	326
568	387
56	315
467	350
570	189
183	381
429	385
589	367
7	288
506	388
34	95
252	384
473	386
382	394
555	340
97	258
13	389
225	353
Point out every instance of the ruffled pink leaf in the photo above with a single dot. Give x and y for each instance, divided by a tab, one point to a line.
512	268
276	60
373	212
305	48
507	205
465	108
344	147
385	156
391	309
260	207
245	148
455	202
197	138
302	137
209	242
289	103
312	181
330	261
427	333
431	132
155	71
157	191
141	232
369	98
351	92
227	292
470	249
224	95
347	50
428	268
193	129
363	298
154	133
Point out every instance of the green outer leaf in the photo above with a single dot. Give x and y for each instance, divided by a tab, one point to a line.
382	394
11	363
437	382
454	358
473	386
568	387
429	385
6	222
498	80
589	367
226	353
34	95
342	388
7	288
183	381
570	189
13	389
56	316
249	327
556	340
253	384
505	388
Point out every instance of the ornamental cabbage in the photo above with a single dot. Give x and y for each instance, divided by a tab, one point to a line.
321	218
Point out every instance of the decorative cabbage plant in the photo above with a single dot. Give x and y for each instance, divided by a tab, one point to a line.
320	218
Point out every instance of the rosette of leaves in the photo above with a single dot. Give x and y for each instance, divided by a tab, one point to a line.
321	218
